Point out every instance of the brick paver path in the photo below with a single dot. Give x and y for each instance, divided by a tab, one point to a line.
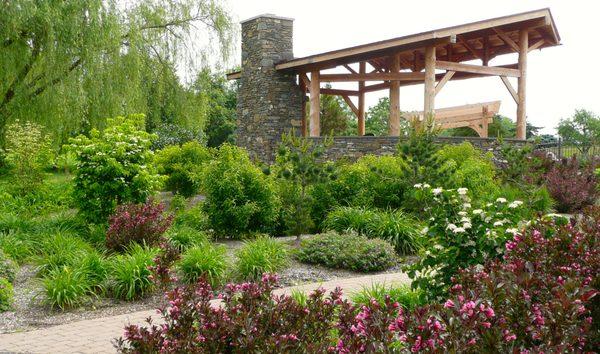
96	335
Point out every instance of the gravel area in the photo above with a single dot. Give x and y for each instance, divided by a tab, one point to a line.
29	312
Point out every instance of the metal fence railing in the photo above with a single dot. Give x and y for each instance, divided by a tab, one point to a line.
560	150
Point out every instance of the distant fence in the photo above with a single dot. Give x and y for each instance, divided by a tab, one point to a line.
560	150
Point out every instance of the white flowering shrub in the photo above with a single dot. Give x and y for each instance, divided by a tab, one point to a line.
459	235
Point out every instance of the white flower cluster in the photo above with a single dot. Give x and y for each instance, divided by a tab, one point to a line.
422	185
515	204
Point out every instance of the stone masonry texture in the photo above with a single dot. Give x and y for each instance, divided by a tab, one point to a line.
269	101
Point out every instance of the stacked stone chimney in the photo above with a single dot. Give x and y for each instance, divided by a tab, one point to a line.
269	101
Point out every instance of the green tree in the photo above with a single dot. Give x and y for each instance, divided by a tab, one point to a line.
334	115
220	98
70	64
299	165
376	120
582	130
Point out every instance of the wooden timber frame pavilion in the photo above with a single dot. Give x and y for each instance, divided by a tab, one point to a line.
431	58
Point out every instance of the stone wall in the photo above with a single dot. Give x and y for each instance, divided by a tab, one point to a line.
353	147
269	102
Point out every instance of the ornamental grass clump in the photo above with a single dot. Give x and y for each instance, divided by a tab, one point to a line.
347	251
130	273
259	256
206	261
141	224
399	229
67	287
6	295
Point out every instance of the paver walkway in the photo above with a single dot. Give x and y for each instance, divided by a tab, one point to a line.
96	335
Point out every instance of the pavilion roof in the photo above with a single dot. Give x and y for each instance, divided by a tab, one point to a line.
464	42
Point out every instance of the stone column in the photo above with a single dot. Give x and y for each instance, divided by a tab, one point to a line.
269	101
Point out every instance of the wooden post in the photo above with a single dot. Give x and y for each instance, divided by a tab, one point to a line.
362	68
484	123
303	120
394	120
315	104
521	90
429	99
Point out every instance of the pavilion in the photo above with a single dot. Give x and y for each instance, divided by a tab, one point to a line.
431	58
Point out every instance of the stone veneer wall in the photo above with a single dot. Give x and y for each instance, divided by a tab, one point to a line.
353	147
269	101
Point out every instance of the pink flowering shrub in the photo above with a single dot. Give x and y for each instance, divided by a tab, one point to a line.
250	319
572	185
541	296
137	223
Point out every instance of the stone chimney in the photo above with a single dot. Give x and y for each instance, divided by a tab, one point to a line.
269	101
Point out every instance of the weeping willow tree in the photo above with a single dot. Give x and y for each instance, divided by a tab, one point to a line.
71	64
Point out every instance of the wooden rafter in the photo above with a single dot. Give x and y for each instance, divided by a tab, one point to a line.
506	38
537	44
349	68
468	47
477	69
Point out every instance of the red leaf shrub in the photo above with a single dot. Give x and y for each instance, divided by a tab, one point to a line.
572	185
137	223
539	298
250	319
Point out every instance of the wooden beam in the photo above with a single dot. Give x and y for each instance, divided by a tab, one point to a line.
536	45
443	81
315	104
339	92
477	69
349	68
394	119
510	88
521	105
400	76
305	80
429	99
506	38
351	105
362	68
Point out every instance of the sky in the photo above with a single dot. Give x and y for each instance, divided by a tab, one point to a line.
560	79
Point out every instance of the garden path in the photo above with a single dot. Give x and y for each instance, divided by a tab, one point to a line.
96	335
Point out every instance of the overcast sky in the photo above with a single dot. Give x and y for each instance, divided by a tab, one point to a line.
559	79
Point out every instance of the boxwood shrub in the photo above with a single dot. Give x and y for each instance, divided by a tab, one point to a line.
347	251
